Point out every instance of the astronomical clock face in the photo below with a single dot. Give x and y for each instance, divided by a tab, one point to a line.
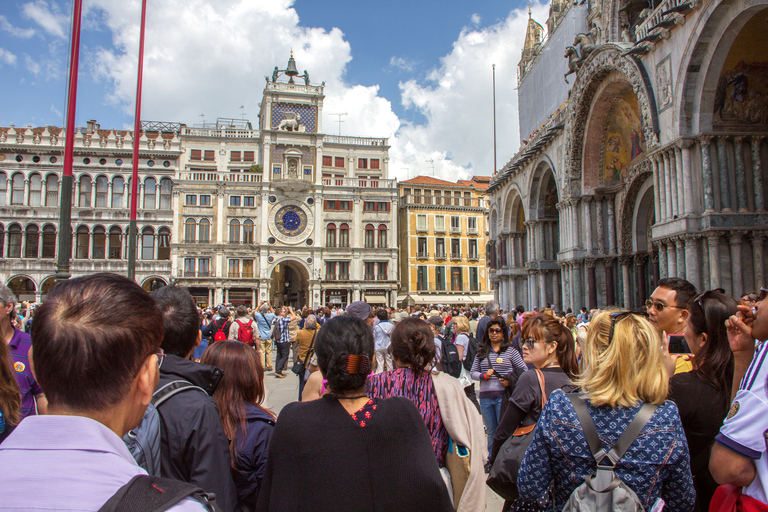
291	221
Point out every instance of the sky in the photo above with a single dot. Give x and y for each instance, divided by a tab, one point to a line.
418	72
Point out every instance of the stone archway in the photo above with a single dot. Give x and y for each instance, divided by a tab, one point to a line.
289	284
153	283
24	288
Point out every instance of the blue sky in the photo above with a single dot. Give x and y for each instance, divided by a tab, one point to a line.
417	72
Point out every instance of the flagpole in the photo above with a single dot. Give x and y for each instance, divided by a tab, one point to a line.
132	235
65	203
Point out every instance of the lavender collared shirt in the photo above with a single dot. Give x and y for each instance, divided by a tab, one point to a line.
19	347
66	463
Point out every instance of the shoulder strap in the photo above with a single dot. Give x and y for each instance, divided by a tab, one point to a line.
632	431
587	426
170	389
311	346
219	327
239	323
521	431
153	493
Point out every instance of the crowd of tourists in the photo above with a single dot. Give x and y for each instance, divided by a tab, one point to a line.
112	398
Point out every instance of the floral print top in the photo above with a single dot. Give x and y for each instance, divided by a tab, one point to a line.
365	413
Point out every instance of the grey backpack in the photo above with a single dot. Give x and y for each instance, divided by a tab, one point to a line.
604	491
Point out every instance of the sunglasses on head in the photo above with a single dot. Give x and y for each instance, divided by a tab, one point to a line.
660	306
700	298
615	317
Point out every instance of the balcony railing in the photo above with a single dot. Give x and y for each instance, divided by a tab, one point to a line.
421	228
472	231
359	183
440	255
464	202
473	257
186	273
658	15
456	230
455	255
355	141
240	275
439	229
422	254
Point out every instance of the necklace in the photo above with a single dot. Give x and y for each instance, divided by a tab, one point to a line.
350	397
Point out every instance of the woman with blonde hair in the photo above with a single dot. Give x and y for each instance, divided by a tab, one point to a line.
622	371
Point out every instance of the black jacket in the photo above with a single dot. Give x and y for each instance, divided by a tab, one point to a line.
193	446
251	459
210	330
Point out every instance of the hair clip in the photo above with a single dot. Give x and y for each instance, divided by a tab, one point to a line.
358	364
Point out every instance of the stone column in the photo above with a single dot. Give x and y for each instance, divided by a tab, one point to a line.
692	272
657	191
667	185
513	291
713	244
611	227
663	260
706	171
533	296
674	179
253	298
610	295
600	226
627	297
672	259
587	200
591	283
735	241
556	297
682	271
642	293
724	174
656	270
578	295
757	172
109	202
741	180
685	156
757	256
25	200
575	223
542	287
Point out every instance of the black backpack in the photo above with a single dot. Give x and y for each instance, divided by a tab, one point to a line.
450	355
471	354
144	493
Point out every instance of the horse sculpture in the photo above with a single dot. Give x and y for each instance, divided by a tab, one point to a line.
586	44
574	61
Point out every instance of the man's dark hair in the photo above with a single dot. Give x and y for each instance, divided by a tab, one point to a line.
342	336
685	291
520	309
179	319
91	336
382	315
241	311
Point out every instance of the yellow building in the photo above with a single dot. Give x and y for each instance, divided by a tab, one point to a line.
443	237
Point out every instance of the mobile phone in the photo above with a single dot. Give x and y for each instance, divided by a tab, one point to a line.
678	345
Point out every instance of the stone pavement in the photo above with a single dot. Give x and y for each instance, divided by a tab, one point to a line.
280	392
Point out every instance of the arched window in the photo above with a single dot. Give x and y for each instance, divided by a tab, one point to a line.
118	191
164	244
165	193
49	241
99	251
330	235
147	243
382	236
344	235
205	231
31	249
83	241
189	230
248	232
369	236
115	243
150	193
52	190
85	191
35	190
3	187
17	189
14	241
234	232
102	192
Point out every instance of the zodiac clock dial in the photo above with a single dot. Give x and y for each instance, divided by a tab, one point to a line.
289	221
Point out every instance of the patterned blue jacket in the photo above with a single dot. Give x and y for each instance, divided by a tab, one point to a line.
656	465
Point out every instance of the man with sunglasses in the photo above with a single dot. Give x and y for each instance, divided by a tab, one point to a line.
740	454
667	305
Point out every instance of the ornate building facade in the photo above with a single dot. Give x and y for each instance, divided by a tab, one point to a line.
443	237
648	160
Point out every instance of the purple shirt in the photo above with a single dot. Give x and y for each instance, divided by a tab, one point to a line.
66	463
19	347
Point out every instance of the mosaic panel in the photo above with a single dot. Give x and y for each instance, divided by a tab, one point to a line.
294	118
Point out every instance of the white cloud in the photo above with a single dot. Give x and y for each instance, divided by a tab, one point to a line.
196	61
15	31
402	63
475	19
48	17
32	65
7	57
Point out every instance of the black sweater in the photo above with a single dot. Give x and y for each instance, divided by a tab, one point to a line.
321	459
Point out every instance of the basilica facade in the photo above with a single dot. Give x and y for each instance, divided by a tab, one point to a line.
645	156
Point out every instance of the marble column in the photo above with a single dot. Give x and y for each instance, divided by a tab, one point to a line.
670	155
735	241
672	259
685	156
611	226
591	283
642	293
741	180
556	297
724	174
667	186
626	299
543	288
663	260
513	291
657	195
757	172
705	283
713	244
600	226
682	271
706	171
610	293
575	223
578	295
532	290
692	261
656	270
587	200
757	256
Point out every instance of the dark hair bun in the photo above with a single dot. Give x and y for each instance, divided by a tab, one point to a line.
413	343
340	337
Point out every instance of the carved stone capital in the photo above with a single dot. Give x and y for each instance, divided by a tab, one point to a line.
641	259
705	139
590	262
625	260
609	262
685	143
